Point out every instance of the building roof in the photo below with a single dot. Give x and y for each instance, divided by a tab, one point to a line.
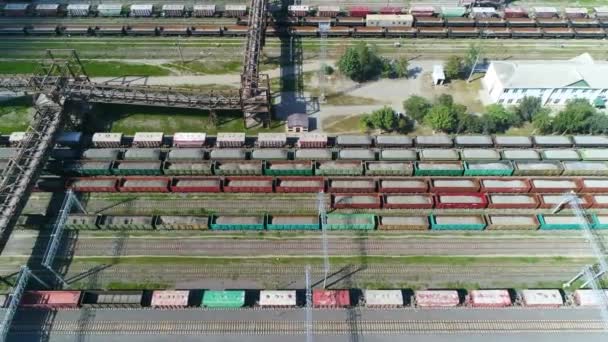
297	120
581	71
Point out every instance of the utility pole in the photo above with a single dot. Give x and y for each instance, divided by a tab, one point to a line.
15	298
588	272
323	29
309	328
179	49
323	219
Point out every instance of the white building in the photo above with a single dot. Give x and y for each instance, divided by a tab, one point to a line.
554	82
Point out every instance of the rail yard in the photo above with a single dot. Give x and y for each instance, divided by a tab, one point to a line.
260	231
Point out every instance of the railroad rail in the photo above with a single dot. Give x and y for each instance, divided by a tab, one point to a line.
320	327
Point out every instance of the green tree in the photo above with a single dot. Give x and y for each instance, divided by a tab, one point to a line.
453	67
365	123
417	107
349	64
597	123
441	118
401	67
498	119
405	124
445	100
528	107
469	123
473	53
573	118
383	118
543	122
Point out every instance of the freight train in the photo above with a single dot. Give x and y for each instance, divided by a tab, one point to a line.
231	299
530	32
335	221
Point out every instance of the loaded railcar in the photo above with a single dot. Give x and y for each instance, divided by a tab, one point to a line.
300	184
203	10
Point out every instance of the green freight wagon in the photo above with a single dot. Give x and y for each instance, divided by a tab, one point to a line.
388	168
438	169
453	11
237	168
288	168
76	221
600	154
187	168
237	222
457	222
351	222
339	168
136	168
182	222
599	221
88	168
127	222
223	299
293	223
488	168
560	222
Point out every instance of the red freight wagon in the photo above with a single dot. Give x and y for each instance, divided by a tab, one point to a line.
599	201
300	184
436	298
594	185
50	299
408	201
454	185
549	201
515	12
144	184
390	10
94	184
560	185
352	185
489	298
518	185
330	298
248	184
513	201
359	11
196	184
401	185
356	201
461	201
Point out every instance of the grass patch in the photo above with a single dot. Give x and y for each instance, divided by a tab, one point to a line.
415	260
15	114
93	68
341	124
207	67
131	119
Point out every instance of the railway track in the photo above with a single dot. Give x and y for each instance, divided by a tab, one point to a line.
343	247
299	327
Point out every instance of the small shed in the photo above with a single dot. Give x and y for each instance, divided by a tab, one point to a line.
297	123
438	75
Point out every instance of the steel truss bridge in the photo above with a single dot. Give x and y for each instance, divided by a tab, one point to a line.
62	78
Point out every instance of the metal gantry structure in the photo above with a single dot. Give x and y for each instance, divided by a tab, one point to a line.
588	273
15	298
308	308
323	218
63	78
255	87
69	201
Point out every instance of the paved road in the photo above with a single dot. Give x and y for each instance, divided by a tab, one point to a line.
22	243
289	323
